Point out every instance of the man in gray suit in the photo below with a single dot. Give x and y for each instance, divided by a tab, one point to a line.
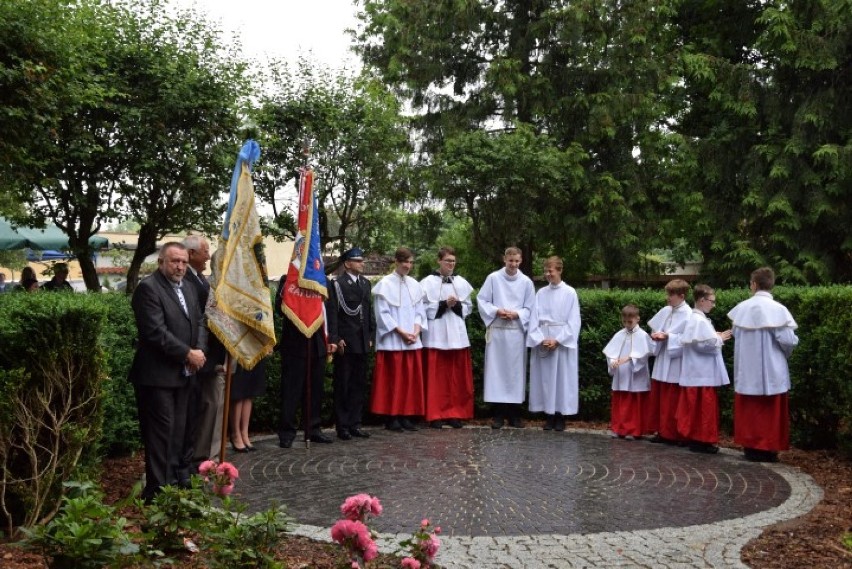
167	318
208	396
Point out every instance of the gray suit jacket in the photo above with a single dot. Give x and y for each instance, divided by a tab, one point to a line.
166	332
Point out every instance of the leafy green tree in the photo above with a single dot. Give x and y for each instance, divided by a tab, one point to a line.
135	113
769	136
591	80
180	126
358	148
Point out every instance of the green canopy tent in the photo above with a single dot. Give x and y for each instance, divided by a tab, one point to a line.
50	238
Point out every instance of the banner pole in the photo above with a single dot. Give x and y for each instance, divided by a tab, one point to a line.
307	406
226	407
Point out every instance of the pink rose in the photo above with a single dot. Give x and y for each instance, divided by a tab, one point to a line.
223	490
207	468
430	546
437	530
410	563
229	470
375	507
371	551
424	523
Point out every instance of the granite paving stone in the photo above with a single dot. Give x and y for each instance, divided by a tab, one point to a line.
525	498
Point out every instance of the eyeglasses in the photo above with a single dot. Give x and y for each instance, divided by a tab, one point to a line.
448	260
711	300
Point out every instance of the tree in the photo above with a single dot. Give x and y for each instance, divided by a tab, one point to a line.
180	126
589	78
359	149
135	109
770	131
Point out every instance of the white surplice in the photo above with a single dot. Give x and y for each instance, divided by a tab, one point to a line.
668	352
764	334
449	331
398	302
638	346
554	373
702	364
505	340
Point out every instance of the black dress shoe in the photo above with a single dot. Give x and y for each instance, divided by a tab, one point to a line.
319	437
285	443
559	423
408	425
356	432
436	425
497	423
344	435
455	423
393	425
235	449
549	423
705	448
516	423
251	448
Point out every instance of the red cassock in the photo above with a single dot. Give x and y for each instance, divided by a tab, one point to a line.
398	383
698	414
653	411
762	422
449	384
669	396
629	413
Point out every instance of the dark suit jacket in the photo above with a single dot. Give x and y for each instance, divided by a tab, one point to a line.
356	331
166	333
213	348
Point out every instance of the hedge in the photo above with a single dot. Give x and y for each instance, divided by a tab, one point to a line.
51	379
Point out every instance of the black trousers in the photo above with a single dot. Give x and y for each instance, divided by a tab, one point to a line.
350	386
164	416
293	372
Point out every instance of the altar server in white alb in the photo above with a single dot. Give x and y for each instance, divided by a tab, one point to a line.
505	302
665	389
627	362
702	372
553	337
765	335
448	371
398	374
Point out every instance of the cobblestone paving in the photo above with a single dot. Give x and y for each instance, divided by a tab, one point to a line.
528	498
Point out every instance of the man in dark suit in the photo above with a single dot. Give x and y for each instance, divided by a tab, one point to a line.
351	328
208	395
297	353
167	318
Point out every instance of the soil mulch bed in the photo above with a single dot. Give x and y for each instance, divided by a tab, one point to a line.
811	541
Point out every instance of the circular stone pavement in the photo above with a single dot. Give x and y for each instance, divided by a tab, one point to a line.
481	482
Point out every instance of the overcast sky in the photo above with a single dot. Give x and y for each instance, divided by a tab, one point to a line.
286	29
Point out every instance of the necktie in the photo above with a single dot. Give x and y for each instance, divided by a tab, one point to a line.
448	280
181	299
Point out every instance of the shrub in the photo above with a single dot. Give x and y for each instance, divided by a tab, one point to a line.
85	534
51	379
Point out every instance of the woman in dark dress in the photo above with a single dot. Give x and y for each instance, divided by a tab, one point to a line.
245	386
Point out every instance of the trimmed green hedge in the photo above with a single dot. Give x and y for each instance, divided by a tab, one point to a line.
51	381
821	398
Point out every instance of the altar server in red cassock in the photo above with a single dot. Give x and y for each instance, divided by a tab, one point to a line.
627	361
665	389
702	371
764	331
448	369
400	318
